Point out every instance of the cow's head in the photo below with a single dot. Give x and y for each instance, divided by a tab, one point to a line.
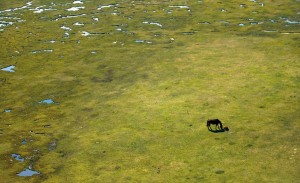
226	128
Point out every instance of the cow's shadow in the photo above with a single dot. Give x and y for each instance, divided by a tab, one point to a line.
217	130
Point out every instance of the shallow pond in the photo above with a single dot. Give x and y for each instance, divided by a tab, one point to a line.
28	173
47	101
9	68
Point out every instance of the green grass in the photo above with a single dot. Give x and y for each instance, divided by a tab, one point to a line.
136	112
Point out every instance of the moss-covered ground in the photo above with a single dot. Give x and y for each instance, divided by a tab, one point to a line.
133	83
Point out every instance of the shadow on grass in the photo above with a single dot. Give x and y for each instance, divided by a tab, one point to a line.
217	130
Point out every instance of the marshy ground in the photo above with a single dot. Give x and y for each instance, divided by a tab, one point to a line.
120	91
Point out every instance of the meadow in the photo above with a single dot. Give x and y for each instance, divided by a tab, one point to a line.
120	91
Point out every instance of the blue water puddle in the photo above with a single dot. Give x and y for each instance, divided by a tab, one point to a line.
85	33
52	41
207	23
291	21
106	6
152	23
273	21
142	41
139	41
77	2
78	24
69	16
18	157
40	9
243	5
76	8
9	68
40	51
47	101
28	172
7	110
181	7
66	28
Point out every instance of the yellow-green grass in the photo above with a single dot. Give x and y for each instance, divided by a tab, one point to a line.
136	112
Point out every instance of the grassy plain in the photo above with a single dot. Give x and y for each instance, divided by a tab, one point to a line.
135	111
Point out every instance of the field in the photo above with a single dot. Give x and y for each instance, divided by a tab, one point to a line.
120	91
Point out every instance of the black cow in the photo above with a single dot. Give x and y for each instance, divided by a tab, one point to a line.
218	123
